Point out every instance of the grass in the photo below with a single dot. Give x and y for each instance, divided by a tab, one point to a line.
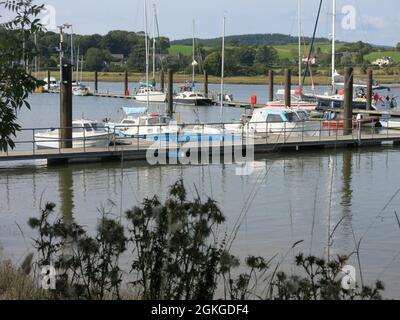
322	79
184	50
16	285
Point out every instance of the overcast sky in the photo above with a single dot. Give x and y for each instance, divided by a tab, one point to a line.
376	21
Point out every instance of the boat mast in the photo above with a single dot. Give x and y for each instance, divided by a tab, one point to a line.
223	69
333	44
147	52
82	60
77	66
154	41
300	55
194	63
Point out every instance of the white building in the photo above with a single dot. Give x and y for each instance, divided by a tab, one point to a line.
385	61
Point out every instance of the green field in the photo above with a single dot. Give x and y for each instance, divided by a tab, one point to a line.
184	50
289	51
380	54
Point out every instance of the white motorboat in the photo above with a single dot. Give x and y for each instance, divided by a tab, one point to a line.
150	94
85	133
272	120
192	98
53	84
138	123
79	89
390	122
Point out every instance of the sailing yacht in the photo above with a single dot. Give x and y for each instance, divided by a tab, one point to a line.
147	91
296	95
335	99
188	94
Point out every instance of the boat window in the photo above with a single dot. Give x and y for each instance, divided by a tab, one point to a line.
292	117
142	122
274	118
97	127
154	121
88	128
128	122
302	115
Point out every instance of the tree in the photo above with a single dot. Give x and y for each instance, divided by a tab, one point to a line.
398	47
97	59
212	63
16	50
266	55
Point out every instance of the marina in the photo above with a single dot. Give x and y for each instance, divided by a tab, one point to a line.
162	185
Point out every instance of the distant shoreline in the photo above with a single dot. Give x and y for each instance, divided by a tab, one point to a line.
253	80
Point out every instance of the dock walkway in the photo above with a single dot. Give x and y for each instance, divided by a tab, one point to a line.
137	149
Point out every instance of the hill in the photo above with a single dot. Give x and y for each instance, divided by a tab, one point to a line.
250	39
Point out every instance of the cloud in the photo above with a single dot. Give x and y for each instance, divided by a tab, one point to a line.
386	24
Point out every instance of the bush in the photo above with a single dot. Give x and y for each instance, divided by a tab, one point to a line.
176	254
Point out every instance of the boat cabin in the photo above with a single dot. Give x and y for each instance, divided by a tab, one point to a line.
275	116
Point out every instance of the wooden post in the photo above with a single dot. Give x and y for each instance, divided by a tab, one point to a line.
288	87
206	83
170	98
348	101
96	82
271	85
126	84
162	81
66	107
48	81
369	89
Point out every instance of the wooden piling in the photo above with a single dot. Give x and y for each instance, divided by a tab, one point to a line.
162	81
271	85
206	83
369	89
348	101
126	84
170	98
288	87
66	107
96	82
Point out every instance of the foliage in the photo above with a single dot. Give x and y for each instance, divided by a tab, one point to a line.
249	40
175	254
87	266
321	280
175	257
97	59
16	50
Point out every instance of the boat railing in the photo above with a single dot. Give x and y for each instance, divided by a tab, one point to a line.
270	133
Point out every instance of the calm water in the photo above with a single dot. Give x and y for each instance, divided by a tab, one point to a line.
295	195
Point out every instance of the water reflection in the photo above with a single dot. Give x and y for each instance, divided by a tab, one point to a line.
347	192
66	191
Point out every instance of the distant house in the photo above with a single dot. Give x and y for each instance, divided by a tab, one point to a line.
382	62
118	59
313	60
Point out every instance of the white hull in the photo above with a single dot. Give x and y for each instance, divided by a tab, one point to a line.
153	97
309	106
150	130
391	124
52	141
